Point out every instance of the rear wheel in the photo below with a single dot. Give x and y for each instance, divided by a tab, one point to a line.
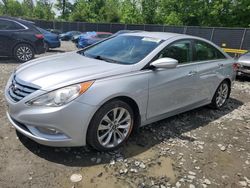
221	95
110	126
23	52
46	46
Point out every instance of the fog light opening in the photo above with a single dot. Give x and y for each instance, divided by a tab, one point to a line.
49	131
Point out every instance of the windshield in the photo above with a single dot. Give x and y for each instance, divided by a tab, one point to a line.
122	49
43	30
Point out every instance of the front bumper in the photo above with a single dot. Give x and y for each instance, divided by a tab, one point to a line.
243	71
39	47
54	44
71	121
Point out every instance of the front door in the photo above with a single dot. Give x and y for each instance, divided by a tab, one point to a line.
173	89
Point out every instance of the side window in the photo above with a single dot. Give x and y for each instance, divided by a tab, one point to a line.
9	25
204	51
181	51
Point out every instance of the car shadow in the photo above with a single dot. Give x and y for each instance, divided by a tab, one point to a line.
56	51
243	78
8	60
147	137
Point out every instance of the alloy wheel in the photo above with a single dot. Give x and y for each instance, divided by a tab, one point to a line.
114	127
222	94
24	53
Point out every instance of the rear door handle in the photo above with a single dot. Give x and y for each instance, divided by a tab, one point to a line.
191	73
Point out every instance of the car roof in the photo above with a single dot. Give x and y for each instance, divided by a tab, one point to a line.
158	35
17	19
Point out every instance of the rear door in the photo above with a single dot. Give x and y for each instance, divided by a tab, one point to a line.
8	30
211	66
173	89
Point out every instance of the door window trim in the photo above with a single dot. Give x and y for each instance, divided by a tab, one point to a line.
192	40
24	27
210	45
147	66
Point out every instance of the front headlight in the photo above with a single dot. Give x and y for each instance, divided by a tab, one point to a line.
61	96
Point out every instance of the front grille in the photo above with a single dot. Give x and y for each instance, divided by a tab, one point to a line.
18	91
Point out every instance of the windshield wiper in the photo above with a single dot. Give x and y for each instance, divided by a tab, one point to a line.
105	59
98	57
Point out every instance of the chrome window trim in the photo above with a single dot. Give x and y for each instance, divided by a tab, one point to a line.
199	62
24	27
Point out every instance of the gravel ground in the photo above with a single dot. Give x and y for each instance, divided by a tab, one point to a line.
201	148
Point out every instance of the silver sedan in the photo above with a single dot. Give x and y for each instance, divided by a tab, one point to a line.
99	95
244	65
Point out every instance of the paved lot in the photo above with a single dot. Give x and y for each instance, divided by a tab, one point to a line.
201	148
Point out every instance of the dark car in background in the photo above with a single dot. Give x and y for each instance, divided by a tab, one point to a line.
90	38
69	35
51	40
20	39
55	31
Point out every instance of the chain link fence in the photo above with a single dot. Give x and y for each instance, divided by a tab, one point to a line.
232	38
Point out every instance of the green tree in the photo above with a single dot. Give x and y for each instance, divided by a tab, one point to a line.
1	8
110	11
130	12
43	10
28	8
241	13
149	11
64	7
12	8
83	12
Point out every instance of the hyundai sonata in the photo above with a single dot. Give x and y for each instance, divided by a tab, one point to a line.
98	95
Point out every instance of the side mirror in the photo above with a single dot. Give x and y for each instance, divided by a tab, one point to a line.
167	63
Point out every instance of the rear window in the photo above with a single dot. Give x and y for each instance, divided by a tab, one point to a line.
204	51
9	25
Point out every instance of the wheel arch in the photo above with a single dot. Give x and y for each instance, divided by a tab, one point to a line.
131	102
22	42
229	84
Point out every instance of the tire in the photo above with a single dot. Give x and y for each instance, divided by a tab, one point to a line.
220	97
46	46
24	52
105	133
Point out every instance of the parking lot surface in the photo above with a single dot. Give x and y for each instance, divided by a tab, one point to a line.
200	148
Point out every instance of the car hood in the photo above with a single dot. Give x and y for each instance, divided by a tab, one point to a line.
244	60
65	69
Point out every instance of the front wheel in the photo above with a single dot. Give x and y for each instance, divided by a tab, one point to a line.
221	95
110	126
23	52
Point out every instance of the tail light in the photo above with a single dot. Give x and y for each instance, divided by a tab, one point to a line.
39	36
236	66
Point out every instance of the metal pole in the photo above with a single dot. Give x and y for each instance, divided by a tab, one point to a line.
243	38
184	29
212	35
